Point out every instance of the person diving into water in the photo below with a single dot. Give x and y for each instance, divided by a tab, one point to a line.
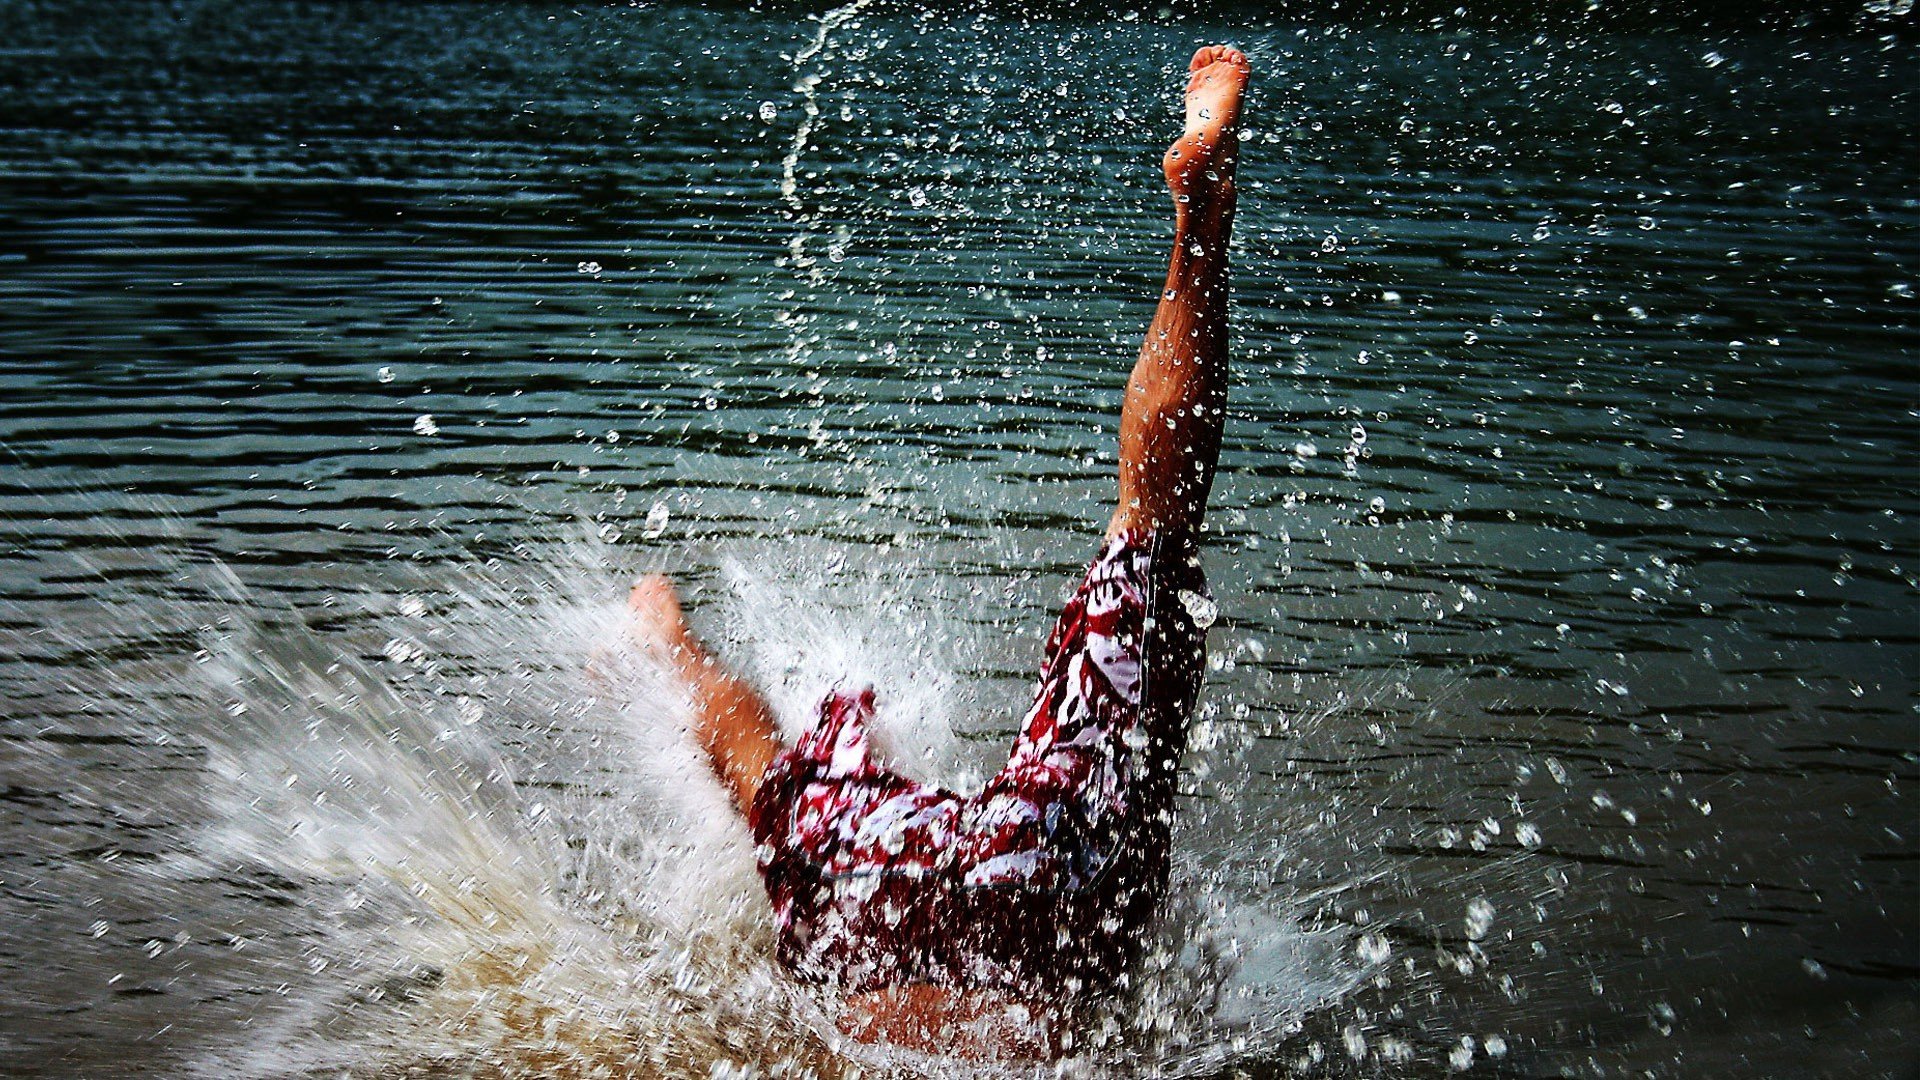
943	919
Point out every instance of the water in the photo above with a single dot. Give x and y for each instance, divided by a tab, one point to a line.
356	358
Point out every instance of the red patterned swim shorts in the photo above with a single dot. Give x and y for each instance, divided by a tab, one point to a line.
1048	876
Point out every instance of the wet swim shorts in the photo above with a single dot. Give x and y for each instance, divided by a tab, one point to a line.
1047	877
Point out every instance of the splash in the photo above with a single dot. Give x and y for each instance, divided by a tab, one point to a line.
504	868
498	858
806	84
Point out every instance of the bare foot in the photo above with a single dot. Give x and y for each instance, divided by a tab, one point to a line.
1199	164
732	721
658	625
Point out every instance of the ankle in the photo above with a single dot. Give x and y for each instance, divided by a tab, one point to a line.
1202	231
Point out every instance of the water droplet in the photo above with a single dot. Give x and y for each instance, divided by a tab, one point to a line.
656	521
1373	948
769	112
1201	607
385	375
424	425
1528	834
1479	918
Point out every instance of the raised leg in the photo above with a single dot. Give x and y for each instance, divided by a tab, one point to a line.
731	719
978	915
1170	422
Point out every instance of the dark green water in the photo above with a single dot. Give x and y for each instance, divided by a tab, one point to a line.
1565	539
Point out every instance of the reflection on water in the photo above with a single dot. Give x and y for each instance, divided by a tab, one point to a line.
355	359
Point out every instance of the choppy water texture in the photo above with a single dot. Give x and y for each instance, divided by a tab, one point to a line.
355	357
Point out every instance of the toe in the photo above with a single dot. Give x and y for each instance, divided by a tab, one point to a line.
1218	54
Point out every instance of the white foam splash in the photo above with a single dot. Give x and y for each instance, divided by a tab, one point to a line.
506	856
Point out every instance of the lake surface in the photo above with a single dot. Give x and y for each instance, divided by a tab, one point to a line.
355	357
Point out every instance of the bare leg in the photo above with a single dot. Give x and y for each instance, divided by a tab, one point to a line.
1170	422
732	721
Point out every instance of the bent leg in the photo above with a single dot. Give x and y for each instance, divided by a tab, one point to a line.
1170	422
732	721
